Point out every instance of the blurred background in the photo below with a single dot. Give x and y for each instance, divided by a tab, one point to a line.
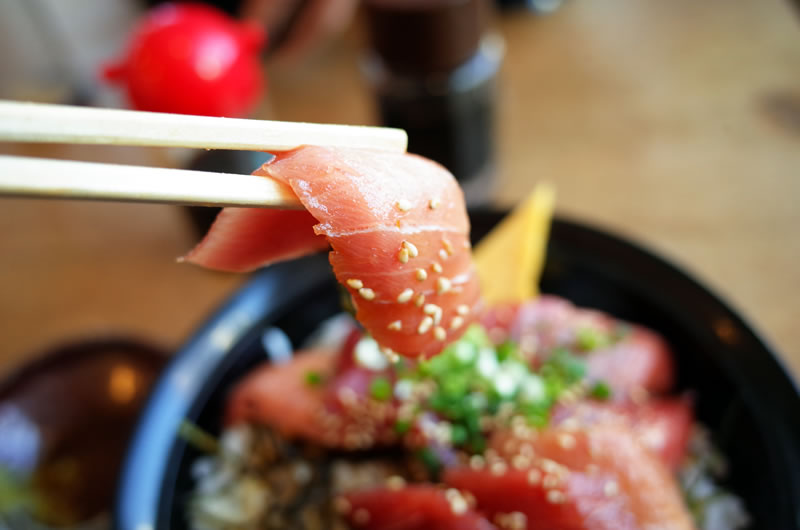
674	123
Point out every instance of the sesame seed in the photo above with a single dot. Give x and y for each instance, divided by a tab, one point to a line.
477	462
436	268
498	468
434	203
448	246
462	309
458	505
425	325
556	497
341	505
443	254
517	521
439	333
355	283
534	476
451	493
520	462
419	300
443	285
522	431
550	466
367	293
412	249
430	309
395	482
391	356
405	296
435	311
550	481
457	322
403	205
610	489
402	256
395	325
421	275
361	516
566	441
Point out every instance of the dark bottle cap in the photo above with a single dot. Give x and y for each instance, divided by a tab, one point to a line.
425	36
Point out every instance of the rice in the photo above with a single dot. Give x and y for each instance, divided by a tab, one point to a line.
711	505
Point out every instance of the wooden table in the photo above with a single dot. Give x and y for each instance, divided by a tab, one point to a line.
675	123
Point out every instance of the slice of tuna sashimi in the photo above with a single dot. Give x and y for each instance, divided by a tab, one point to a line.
320	396
412	507
279	395
628	357
237	242
545	496
662	425
399	230
638	490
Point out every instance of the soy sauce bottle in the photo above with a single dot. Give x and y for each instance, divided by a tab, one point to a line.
432	66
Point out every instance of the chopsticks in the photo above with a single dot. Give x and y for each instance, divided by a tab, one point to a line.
34	177
68	179
37	122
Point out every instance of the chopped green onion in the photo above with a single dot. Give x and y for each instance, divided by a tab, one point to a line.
589	339
506	350
402	426
15	493
571	367
197	437
458	434
600	390
313	378
430	461
380	389
473	379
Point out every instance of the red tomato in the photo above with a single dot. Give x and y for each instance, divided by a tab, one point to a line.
192	59
417	507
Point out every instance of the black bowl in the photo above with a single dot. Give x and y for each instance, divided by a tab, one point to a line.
743	393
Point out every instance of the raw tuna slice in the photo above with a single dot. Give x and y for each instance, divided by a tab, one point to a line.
238	232
517	498
281	396
598	477
320	396
662	425
399	230
416	507
630	358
